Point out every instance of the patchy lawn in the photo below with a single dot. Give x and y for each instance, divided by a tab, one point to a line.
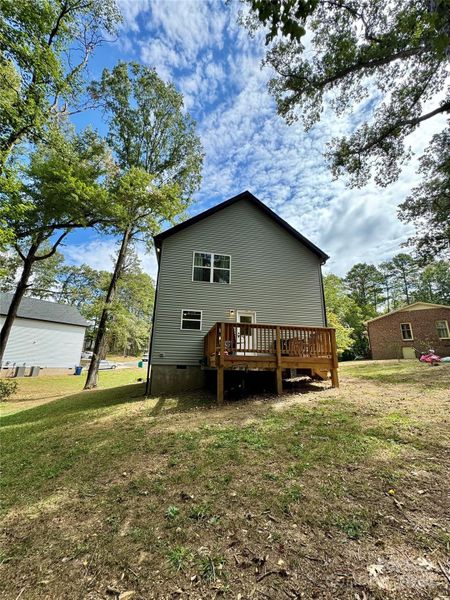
322	494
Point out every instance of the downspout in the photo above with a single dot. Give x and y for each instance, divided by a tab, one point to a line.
323	296
150	347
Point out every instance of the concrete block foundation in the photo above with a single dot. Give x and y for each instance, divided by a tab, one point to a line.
173	379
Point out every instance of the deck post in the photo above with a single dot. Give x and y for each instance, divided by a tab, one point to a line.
220	368
334	360
220	379
279	371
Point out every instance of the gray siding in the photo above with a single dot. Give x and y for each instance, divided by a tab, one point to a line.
44	344
272	274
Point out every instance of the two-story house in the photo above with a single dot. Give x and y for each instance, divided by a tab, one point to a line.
237	287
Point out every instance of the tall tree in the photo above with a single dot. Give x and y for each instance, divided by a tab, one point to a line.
405	269
339	306
365	284
62	190
347	316
45	46
434	283
128	325
389	284
428	205
159	160
401	50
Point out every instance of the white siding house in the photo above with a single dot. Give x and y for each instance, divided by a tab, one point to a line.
44	334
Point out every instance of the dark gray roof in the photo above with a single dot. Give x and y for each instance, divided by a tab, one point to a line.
42	310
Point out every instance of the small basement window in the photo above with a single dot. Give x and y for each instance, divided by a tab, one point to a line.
191	319
407	333
442	330
210	267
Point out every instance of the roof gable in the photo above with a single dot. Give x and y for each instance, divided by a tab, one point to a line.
410	307
249	197
43	310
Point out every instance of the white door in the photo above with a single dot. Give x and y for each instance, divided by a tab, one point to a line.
245	335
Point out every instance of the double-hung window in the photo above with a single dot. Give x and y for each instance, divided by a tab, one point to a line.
407	333
191	319
211	267
442	330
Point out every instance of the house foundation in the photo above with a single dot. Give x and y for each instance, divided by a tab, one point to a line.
173	379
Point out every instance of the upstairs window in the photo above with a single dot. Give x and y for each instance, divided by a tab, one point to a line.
191	319
407	333
210	267
442	330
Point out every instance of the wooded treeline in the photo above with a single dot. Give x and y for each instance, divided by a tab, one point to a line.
367	291
85	287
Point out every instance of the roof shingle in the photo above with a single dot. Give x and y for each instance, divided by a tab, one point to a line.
43	310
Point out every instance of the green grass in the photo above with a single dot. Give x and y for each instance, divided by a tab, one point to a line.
35	390
180	557
175	490
400	372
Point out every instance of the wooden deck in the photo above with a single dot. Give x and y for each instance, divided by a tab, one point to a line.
273	347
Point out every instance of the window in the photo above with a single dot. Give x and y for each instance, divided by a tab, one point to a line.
442	330
407	333
212	268
191	319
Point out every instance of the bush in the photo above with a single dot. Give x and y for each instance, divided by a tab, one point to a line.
7	388
347	355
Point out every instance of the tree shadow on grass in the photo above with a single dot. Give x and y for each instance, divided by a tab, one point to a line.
169	404
84	402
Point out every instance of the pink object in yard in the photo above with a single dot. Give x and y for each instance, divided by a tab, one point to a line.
430	358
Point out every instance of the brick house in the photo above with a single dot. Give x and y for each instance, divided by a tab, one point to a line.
408	331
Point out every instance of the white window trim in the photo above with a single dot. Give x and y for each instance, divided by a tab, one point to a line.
196	320
211	278
411	339
447	337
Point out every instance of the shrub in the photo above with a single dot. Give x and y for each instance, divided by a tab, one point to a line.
7	388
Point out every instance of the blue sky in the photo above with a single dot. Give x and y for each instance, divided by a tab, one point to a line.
200	46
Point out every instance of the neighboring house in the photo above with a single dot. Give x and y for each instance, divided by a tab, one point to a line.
44	334
408	331
237	262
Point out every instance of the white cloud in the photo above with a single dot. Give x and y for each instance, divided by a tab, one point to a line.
131	10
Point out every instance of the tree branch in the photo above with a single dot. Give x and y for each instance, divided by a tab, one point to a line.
403	123
54	247
19	252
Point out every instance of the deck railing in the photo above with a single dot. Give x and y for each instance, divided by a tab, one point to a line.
258	340
276	347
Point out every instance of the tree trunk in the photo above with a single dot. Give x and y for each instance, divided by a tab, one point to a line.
405	283
100	340
17	298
